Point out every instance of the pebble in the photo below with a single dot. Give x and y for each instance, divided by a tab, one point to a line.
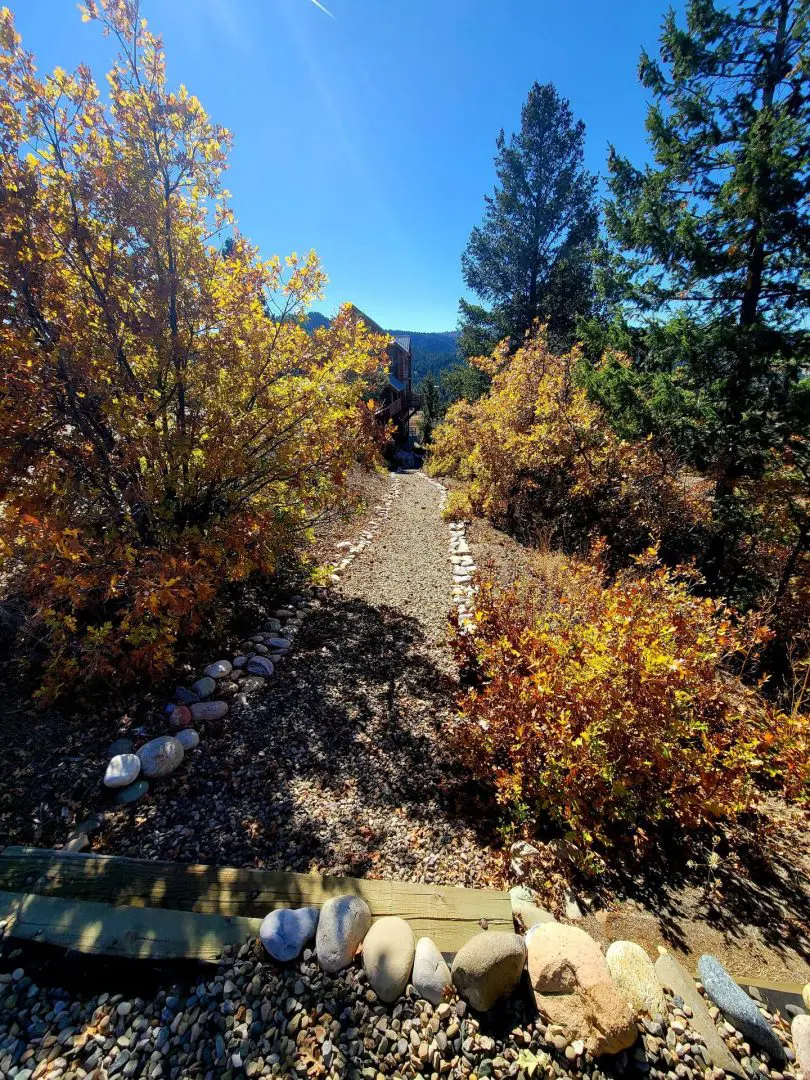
132	793
219	669
180	717
161	756
344	922
487	967
285	931
431	975
210	710
122	770
388	954
204	687
188	738
260	665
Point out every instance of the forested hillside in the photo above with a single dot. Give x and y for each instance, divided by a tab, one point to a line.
432	352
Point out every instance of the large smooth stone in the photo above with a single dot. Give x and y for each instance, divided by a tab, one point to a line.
431	975
572	987
204	687
188	738
800	1030
676	978
344	922
185	697
487	967
272	626
285	931
122	770
131	793
280	643
180	717
219	669
564	958
161	756
632	971
209	710
737	1006
388	951
260	665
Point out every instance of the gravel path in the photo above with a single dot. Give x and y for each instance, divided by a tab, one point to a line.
341	765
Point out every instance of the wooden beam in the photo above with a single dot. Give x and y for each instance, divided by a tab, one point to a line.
137	933
450	916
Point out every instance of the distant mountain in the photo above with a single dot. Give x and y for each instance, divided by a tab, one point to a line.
431	351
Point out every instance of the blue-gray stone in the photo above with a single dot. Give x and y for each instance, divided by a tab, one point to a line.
280	643
285	931
132	793
204	687
185	697
737	1006
260	665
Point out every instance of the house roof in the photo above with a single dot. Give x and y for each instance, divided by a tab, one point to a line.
395	383
403	341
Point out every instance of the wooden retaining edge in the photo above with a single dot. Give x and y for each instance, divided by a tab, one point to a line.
138	933
448	915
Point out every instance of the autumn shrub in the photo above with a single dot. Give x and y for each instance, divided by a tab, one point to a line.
602	708
166	424
538	456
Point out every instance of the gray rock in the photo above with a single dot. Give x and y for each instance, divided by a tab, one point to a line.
280	643
131	794
344	922
122	770
260	665
204	687
676	978
285	931
161	756
239	661
272	626
431	975
219	669
185	697
737	1006
251	684
526	910
188	738
487	967
209	710
388	952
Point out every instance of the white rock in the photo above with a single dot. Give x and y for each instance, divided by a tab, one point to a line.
219	669
431	975
122	770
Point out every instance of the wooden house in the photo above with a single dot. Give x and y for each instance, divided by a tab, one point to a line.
396	397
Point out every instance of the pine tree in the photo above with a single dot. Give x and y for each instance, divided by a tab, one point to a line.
530	258
714	235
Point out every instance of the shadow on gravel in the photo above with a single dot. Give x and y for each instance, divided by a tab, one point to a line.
333	767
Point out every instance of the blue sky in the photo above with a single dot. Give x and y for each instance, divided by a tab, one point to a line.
370	135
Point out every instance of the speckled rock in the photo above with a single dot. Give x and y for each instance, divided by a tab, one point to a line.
487	967
219	669
431	975
344	922
285	931
388	952
161	756
188	738
632	971
737	1006
122	770
209	710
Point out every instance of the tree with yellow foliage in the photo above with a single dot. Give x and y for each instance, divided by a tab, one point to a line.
166	424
